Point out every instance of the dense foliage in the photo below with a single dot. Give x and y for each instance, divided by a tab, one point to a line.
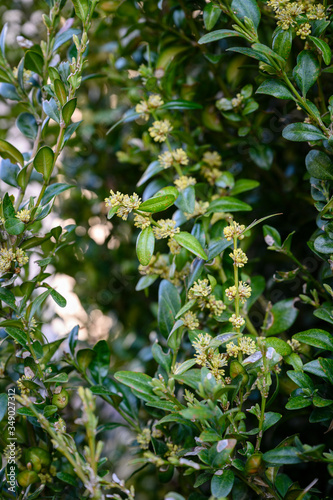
151	163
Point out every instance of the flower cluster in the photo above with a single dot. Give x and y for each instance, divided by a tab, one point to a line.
190	320
239	257
143	438
7	257
244	292
234	229
24	215
125	203
209	356
200	208
210	170
159	265
169	158
183	182
165	228
237	321
160	130
245	345
201	291
142	221
289	14
146	107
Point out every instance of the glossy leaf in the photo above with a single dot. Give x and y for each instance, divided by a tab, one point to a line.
319	165
219	35
68	110
246	8
316	338
222	484
211	15
145	245
191	244
26	123
322	46
306	71
169	304
8	151
283	315
228	204
44	161
34	62
300	132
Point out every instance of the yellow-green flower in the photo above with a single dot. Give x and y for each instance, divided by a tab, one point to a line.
160	130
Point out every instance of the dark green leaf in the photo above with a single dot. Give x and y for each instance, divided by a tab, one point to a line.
145	245
319	165
181	104
301	379
139	382
14	226
64	37
283	315
169	304
9	173
3	405
59	378
59	299
300	132
222	484
316	338
228	204
68	110
219	35
153	169
327	366
51	109
54	190
157	204
60	91
26	123
8	297
323	48
282	42
44	161
275	88
211	15
191	244
8	151
17	334
306	71
67	478
34	62
246	8
283	455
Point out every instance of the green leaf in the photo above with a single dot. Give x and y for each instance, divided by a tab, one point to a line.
222	484
282	42
301	379
319	165
54	190
161	357
197	413
219	35
34	62
298	402
323	48
8	91
67	478
283	315
272	236
8	151
14	226
191	244
275	88
81	8
51	109
216	247
306	71
146	281
9	172
72	340
44	161
158	203
211	14
316	338
100	365
59	378
145	245
327	366
283	455
8	207
153	169
58	298
138	382
38	301
279	345
49	350
64	37
300	132
270	419
17	334
228	204
186	200
3	405
50	410
181	104
323	244
8	297
169	304
3	35
246	8
243	185
60	91
84	357
255	54
68	110
26	123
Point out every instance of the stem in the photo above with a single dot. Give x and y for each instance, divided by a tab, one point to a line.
261	422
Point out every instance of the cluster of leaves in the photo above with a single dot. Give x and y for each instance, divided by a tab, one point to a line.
221	360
